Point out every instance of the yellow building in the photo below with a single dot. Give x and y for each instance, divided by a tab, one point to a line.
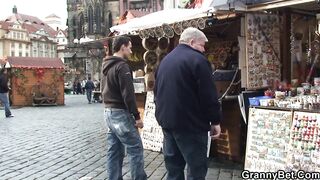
23	35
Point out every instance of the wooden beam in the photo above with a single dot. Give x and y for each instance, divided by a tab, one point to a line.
286	46
277	4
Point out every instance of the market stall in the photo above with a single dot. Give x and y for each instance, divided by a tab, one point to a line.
36	81
283	125
161	36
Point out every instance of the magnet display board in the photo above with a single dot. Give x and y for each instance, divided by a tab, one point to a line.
267	140
152	136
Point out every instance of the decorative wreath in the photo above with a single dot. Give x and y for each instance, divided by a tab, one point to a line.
185	24
150	58
177	28
159	31
193	23
163	43
150	43
201	23
168	30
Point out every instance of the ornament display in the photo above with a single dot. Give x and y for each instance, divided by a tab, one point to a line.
263	50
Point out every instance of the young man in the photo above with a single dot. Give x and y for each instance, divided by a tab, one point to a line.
4	89
186	103
89	87
121	113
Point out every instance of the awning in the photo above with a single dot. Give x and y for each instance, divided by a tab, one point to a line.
278	4
156	19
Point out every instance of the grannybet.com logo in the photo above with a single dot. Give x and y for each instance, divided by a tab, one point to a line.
280	175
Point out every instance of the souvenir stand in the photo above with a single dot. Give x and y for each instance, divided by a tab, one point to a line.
283	126
222	31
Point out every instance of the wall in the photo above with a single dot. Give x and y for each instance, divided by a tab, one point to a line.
28	82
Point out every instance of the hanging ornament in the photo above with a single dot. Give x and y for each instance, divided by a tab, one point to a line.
201	23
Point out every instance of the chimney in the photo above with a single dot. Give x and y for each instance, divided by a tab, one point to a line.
14	10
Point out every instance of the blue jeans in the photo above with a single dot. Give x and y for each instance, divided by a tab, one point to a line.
123	134
5	101
184	148
89	94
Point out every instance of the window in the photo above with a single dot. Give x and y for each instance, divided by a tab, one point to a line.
98	19
12	53
20	54
12	46
20	46
18	35
14	35
27	46
22	36
63	40
27	54
90	19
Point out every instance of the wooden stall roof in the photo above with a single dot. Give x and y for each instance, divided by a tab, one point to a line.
35	62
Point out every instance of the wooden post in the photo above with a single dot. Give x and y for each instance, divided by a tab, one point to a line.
286	46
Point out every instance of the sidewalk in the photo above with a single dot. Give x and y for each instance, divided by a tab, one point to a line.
69	142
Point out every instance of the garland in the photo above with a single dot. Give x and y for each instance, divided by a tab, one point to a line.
39	73
19	74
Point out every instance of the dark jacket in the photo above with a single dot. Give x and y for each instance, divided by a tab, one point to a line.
117	85
185	94
89	85
4	84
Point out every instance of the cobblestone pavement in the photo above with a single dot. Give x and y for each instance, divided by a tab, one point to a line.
69	142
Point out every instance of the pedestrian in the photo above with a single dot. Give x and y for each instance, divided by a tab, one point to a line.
74	87
4	89
83	84
121	113
186	104
79	88
89	87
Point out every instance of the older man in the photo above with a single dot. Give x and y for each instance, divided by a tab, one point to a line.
187	106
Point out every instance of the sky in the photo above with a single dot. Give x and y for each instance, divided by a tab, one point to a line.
38	8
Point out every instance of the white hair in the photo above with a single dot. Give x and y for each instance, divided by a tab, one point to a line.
192	34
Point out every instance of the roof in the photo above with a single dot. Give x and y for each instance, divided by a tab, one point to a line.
131	14
35	62
31	23
5	25
53	16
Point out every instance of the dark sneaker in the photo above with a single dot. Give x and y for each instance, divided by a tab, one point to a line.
10	116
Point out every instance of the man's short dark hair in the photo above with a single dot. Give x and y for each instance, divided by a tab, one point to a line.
89	78
119	41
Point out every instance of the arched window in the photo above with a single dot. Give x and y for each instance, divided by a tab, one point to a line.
74	27
98	19
81	26
108	22
90	20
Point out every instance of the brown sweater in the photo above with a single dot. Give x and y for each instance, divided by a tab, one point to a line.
117	85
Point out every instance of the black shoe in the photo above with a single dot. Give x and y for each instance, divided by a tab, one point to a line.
10	116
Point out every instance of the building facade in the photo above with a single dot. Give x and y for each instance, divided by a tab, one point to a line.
24	36
91	20
14	40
